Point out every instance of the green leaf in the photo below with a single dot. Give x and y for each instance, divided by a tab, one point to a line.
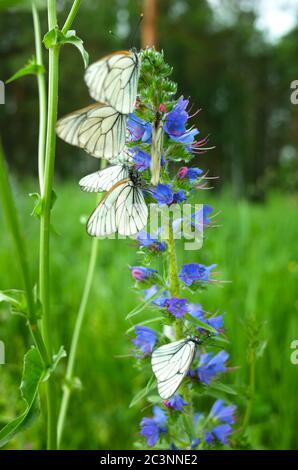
72	38
55	37
37	209
222	388
33	372
146	322
31	68
56	359
17	301
200	324
142	393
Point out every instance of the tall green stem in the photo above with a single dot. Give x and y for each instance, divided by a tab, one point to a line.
45	222
10	213
75	339
42	98
173	275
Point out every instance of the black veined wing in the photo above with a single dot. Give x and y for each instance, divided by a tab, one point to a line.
104	180
170	364
122	210
99	129
114	80
156	149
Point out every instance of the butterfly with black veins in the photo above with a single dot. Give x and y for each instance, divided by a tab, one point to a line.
99	129
123	208
171	363
114	80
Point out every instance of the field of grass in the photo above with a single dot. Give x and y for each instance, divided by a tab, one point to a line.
255	248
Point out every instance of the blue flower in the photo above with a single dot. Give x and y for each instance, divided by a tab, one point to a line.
179	196
193	272
215	322
191	174
163	194
175	403
223	413
150	292
152	427
138	129
177	307
141	159
201	217
175	123
145	339
162	300
140	273
196	311
220	432
145	240
211	365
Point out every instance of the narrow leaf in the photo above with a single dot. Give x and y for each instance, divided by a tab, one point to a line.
32	376
32	68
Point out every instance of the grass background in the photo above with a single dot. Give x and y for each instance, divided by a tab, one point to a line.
255	248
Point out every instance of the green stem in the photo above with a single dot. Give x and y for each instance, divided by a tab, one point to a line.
10	213
75	340
173	276
45	222
71	16
251	391
42	98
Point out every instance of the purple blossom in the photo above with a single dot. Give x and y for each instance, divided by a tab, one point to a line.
191	174
220	432
194	272
179	196
145	240
223	413
145	339
141	159
177	307
163	194
175	123
162	300
196	311
175	403
140	273
211	365
202	217
152	427
150	292
139	129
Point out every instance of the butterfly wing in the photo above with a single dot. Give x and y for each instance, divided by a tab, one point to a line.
67	128
105	179
103	132
114	80
99	129
170	364
122	210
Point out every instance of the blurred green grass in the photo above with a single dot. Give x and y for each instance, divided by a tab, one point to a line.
255	247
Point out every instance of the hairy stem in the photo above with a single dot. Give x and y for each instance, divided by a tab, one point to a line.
75	339
42	98
11	216
173	276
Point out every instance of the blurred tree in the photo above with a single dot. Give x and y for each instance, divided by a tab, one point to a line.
241	82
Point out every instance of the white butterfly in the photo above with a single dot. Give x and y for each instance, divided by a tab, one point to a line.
170	364
114	80
99	129
123	208
104	180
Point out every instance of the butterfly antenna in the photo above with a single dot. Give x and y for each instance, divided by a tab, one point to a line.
134	32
